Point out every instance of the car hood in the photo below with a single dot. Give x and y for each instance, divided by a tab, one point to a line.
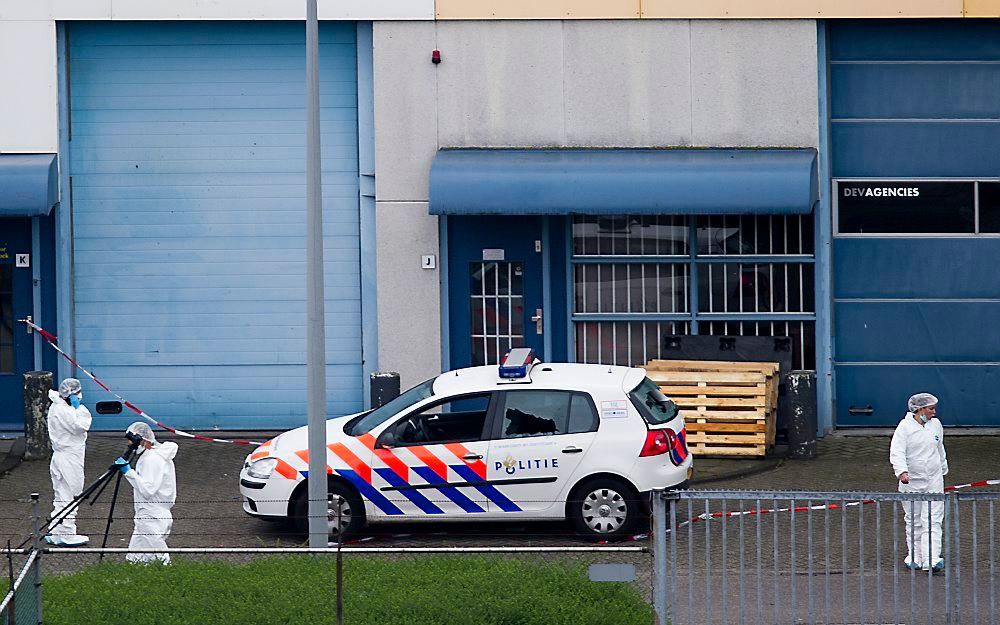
298	439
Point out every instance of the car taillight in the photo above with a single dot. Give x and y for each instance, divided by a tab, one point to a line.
657	442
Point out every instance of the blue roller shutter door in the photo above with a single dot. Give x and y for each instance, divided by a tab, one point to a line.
187	164
915	312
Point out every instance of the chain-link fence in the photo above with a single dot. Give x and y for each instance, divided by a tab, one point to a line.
21	603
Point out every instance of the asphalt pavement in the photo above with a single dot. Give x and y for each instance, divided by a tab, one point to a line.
209	513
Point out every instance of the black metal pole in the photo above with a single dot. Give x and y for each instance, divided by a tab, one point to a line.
111	513
61	514
100	482
11	607
338	501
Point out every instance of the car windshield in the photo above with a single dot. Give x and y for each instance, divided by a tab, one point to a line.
653	405
381	414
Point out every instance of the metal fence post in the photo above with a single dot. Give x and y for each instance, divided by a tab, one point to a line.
338	501
12	606
36	543
659	500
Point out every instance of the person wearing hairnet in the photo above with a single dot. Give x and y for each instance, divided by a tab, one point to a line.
920	464
155	486
68	423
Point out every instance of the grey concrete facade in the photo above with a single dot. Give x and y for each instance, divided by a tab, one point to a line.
641	83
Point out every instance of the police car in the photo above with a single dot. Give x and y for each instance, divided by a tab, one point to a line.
523	441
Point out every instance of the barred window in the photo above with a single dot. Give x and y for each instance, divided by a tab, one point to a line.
640	279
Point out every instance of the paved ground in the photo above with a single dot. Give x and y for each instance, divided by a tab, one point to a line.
208	511
861	557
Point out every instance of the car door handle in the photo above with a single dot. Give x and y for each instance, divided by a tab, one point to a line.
572	450
866	410
471	457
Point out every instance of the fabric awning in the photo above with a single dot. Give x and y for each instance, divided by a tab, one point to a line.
623	181
29	184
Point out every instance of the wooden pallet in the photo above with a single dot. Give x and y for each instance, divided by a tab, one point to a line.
728	407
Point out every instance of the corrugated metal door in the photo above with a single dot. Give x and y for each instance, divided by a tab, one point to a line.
914	302
187	164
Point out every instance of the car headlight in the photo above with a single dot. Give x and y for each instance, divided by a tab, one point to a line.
262	469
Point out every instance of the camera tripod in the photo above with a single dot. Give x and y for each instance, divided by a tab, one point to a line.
96	488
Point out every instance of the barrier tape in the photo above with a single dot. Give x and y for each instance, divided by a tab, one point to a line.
52	340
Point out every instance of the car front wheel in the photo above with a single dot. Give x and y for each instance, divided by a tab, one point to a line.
604	509
345	512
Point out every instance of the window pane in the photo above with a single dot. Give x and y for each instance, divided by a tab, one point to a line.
652	404
582	415
596	341
6	319
7	358
989	207
906	207
636	235
450	421
631	288
498	316
535	413
756	287
755	234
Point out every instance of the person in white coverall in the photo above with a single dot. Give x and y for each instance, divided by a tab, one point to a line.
920	464
155	486
68	422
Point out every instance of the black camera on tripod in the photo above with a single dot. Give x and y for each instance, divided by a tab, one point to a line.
133	438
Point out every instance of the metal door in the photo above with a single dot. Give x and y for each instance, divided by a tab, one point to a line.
15	303
495	286
189	233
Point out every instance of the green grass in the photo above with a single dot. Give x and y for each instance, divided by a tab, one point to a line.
431	590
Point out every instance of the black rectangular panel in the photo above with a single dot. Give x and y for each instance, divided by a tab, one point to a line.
906	207
989	207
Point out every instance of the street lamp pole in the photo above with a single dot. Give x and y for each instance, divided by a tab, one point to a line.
315	313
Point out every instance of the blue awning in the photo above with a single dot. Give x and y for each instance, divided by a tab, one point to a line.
623	181
29	184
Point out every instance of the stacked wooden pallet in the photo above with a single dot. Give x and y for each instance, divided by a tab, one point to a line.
729	408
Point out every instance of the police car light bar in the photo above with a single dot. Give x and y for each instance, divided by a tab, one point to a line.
517	363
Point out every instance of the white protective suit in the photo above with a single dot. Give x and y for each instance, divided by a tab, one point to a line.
68	428
919	450
155	486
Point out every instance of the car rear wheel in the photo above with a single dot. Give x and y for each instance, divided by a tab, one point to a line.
604	509
345	511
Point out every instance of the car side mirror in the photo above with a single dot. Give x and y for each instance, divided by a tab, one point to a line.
387	439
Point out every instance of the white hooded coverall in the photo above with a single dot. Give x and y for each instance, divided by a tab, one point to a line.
919	450
155	485
68	428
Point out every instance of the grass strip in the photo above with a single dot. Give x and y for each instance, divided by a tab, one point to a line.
425	590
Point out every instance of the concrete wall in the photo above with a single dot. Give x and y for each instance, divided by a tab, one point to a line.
28	70
28	111
568	84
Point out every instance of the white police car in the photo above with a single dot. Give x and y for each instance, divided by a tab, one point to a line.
524	441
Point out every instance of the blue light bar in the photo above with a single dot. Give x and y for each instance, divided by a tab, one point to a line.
517	363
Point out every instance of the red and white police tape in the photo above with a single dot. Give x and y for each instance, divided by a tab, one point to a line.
708	516
52	340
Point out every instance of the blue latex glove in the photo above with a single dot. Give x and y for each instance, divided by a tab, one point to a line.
122	464
75	400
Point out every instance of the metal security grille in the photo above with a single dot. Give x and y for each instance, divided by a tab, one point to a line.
497	305
638	279
790	557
